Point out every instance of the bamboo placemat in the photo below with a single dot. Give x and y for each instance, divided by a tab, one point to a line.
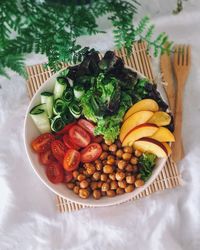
169	177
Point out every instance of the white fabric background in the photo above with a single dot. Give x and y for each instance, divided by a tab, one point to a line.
165	220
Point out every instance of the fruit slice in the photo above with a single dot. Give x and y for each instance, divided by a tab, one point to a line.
151	146
160	118
163	135
169	150
133	121
143	130
143	105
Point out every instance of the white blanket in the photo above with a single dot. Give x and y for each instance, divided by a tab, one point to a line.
165	220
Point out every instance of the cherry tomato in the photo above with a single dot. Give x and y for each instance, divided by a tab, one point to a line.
66	128
68	143
97	139
58	150
79	136
42	143
46	157
71	160
91	152
55	172
88	126
68	176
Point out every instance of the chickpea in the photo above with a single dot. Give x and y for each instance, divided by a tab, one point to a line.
85	173
90	169
107	169
105	187
129	188
126	156
122	184
96	176
94	185
130	179
119	153
121	164
120	176
81	177
76	189
84	184
134	160
103	177
111	160
110	193
119	144
96	194
138	153
119	190
113	148
104	147
70	185
113	185
75	174
129	168
84	193
99	184
99	165
139	183
108	142
128	149
103	156
112	176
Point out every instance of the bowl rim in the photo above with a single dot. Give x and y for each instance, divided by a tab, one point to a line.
121	198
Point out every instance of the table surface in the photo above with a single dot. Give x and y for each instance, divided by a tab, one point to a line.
165	220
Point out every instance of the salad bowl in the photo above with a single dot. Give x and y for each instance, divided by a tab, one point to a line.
31	132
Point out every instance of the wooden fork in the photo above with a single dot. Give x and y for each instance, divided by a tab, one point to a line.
182	63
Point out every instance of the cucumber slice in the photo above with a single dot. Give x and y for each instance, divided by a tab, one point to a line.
68	95
59	106
60	86
75	109
78	92
40	118
57	123
66	116
47	97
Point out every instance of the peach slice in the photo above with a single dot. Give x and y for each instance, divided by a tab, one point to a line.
143	105
133	121
163	135
143	130
151	146
160	118
169	150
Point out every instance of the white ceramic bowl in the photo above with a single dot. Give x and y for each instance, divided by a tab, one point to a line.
31	132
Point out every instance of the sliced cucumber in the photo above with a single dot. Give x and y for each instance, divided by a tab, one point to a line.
47	97
60	86
66	116
57	124
78	92
40	118
75	109
68	95
59	106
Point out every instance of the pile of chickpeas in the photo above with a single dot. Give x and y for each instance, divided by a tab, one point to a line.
114	173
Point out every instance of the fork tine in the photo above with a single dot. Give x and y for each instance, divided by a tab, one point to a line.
176	54
188	55
185	54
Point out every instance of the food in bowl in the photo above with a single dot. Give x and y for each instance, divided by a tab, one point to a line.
102	128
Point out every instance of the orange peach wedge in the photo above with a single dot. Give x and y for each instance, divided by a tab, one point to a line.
163	135
143	105
151	146
160	118
143	130
169	150
133	121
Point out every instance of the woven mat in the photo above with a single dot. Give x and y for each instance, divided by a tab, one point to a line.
169	177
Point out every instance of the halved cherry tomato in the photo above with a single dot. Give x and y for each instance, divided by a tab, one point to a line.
55	172
68	143
58	150
97	139
42	143
91	152
88	126
46	157
66	128
71	160
79	136
68	176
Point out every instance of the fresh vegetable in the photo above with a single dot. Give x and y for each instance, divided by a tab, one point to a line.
147	162
58	149
47	98
91	152
40	118
60	86
88	126
68	142
79	136
59	106
78	91
68	95
57	124
65	130
46	157
66	116
42	143
75	109
55	172
71	160
68	176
